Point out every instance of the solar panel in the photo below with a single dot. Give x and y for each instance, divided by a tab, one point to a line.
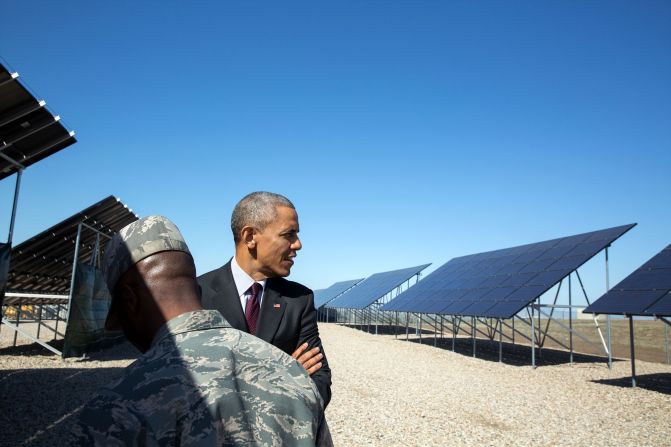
323	296
644	292
28	131
374	287
500	283
662	308
43	263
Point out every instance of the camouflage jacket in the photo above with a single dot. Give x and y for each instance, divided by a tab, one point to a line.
205	383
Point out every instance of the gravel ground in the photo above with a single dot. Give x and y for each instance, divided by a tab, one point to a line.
388	392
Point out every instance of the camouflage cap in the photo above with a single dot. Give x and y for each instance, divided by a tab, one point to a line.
133	243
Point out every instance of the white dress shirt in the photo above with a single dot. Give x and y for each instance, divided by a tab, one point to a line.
243	282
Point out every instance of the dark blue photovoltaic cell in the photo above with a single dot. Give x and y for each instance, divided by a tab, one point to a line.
504	310
661	308
500	283
323	296
518	280
526	294
499	293
456	307
373	288
478	308
647	280
538	265
626	302
548	278
644	292
661	261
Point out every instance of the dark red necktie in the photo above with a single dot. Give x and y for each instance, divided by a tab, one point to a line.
252	308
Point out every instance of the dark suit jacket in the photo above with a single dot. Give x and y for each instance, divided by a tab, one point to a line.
286	326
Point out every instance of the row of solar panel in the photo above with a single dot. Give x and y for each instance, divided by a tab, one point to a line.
323	296
646	291
359	294
500	283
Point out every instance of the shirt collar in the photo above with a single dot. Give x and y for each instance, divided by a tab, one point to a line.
242	280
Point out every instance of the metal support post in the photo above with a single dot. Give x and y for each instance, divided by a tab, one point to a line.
74	273
96	249
513	330
454	331
18	319
396	326
552	310
633	356
594	318
666	343
500	341
533	339
39	322
419	326
540	328
435	332
608	325
377	318
58	317
19	173
570	319
407	325
473	333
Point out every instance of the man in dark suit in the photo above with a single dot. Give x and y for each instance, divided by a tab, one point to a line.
251	292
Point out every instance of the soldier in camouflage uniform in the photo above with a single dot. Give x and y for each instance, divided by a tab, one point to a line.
199	381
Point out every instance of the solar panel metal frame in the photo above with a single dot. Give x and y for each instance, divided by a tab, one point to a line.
524	271
29	132
42	264
644	292
374	287
333	291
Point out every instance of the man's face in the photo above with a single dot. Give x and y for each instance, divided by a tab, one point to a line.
277	244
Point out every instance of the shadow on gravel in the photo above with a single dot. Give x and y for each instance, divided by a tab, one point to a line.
113	349
32	349
659	382
386	330
488	350
39	406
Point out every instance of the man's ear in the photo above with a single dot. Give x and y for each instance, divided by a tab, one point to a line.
247	236
131	302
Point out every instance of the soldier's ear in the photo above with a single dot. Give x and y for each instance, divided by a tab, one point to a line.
130	300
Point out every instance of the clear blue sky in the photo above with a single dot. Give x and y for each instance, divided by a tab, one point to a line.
405	132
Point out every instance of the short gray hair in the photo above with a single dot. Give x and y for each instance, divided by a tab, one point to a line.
256	210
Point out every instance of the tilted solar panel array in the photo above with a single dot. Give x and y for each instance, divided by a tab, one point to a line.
323	296
500	283
43	263
374	287
646	291
28	131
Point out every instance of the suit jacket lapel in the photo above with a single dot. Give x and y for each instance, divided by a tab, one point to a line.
272	309
227	298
